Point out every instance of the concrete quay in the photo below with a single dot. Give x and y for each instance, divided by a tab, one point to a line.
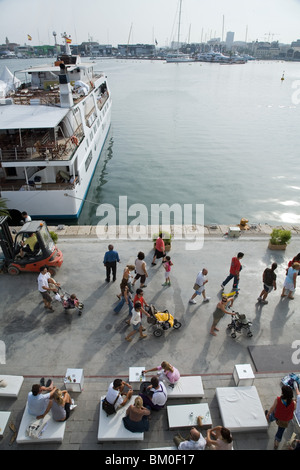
41	344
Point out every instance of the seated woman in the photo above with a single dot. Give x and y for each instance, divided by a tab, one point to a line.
219	438
62	404
166	372
136	419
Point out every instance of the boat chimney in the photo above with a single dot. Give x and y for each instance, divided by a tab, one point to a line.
66	98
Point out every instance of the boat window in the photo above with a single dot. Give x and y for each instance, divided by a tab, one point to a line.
11	171
88	161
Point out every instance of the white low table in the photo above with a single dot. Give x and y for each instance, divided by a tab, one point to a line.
183	416
135	377
243	375
77	380
4	417
14	384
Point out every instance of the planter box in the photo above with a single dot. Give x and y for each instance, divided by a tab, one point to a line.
276	247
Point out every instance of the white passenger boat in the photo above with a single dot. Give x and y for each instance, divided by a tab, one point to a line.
52	131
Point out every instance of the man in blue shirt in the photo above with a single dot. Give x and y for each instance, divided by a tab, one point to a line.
111	258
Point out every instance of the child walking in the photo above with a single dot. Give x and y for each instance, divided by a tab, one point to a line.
167	265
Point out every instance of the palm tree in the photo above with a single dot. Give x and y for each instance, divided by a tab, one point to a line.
3	208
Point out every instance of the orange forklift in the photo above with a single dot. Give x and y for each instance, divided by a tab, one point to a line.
32	248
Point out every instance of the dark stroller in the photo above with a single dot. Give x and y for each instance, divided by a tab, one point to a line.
238	323
69	301
161	321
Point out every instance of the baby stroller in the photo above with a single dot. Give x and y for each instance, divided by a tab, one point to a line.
69	301
238	323
161	321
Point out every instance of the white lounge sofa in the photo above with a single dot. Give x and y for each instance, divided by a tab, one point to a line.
241	409
187	387
111	428
54	431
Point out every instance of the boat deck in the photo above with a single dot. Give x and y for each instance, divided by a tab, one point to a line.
39	145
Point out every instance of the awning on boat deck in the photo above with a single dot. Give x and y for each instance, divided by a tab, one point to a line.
30	116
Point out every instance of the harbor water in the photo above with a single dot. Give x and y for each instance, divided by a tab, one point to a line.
222	136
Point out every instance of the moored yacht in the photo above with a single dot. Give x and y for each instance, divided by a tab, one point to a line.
52	130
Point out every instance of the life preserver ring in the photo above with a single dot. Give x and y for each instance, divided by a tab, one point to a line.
74	140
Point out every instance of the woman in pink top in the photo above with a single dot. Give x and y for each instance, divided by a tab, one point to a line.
167	265
168	372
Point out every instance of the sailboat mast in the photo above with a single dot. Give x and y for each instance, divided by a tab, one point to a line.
179	20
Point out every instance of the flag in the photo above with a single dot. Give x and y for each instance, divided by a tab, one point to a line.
68	40
156	42
29	37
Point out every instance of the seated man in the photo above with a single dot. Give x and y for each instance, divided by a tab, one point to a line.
28	245
116	395
155	395
39	403
194	441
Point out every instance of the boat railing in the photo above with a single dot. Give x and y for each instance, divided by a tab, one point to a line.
23	186
44	149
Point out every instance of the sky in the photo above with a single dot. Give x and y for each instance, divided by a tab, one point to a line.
144	21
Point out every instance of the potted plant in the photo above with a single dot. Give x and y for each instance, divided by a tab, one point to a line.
279	239
166	236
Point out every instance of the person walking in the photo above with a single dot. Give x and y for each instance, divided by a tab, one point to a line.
282	412
199	286
136	322
160	249
167	265
46	285
140	269
220	312
127	279
269	283
290	280
111	258
234	272
125	298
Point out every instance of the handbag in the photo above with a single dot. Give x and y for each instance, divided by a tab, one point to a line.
282	424
196	286
108	407
37	427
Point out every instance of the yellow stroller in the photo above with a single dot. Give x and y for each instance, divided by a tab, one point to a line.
161	321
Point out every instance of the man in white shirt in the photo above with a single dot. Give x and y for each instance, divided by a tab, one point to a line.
44	279
115	393
155	395
25	217
39	403
195	440
199	286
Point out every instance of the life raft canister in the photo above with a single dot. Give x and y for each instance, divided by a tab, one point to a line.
74	140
